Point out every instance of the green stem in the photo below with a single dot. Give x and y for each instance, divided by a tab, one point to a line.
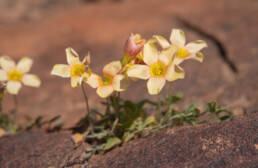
2	92
117	109
15	99
159	110
1	103
170	89
87	106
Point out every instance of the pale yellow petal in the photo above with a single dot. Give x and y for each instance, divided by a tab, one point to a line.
120	83
150	52
177	37
72	56
75	81
61	70
174	72
105	91
195	46
24	65
94	80
139	71
85	76
198	56
13	87
3	75
86	59
162	41
31	80
112	68
178	61
155	85
167	54
7	63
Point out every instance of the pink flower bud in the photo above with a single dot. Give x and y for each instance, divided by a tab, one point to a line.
134	44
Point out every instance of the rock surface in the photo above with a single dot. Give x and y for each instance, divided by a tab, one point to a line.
230	144
228	75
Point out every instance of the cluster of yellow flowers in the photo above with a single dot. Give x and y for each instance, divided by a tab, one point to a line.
13	75
155	60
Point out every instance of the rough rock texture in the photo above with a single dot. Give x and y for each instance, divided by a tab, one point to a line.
38	149
230	144
228	75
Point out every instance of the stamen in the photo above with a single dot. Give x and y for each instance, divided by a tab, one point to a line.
158	69
78	70
182	53
14	75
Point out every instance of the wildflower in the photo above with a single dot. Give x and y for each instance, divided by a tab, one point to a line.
113	80
14	74
185	51
77	70
159	67
133	49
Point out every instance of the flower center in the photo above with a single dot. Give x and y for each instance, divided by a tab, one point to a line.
182	53
14	75
77	70
107	80
158	69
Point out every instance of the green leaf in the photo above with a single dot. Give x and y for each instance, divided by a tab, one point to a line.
225	117
149	120
174	99
191	108
112	142
128	136
98	135
212	107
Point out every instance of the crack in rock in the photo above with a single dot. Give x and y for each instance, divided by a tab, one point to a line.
221	48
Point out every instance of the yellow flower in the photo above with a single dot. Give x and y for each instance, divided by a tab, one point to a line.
113	80
14	74
159	67
78	70
185	51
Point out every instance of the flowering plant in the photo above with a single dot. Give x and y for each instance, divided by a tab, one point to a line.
155	60
12	77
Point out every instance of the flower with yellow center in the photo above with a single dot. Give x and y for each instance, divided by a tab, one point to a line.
77	70
14	74
159	67
185	51
113	80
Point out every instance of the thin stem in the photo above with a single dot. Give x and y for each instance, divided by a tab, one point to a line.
2	92
1	108
170	89
117	109
15	99
85	99
159	111
1	103
87	106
